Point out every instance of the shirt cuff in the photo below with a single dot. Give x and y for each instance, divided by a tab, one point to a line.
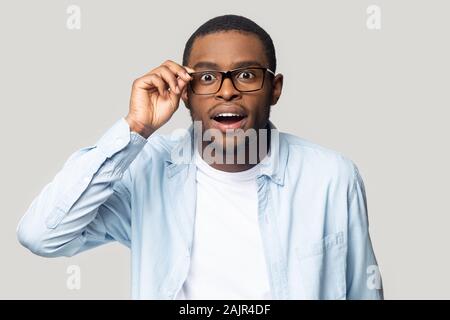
118	137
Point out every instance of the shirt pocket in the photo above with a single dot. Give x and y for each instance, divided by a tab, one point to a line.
322	266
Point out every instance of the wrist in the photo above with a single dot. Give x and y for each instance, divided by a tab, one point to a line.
139	128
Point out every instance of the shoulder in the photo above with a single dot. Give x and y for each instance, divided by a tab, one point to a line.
306	157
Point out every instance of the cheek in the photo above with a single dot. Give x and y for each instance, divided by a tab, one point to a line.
262	107
198	109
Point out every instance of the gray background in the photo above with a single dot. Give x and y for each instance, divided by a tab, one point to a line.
379	97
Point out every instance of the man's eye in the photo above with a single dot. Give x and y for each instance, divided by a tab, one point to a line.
244	75
207	77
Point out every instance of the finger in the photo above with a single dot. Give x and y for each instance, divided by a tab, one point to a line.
182	84
168	76
189	69
150	81
177	69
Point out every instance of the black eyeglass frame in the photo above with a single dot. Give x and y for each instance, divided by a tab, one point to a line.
227	74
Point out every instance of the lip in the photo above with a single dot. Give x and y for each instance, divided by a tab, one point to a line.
228	108
233	126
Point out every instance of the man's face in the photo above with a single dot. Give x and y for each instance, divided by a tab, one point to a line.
224	51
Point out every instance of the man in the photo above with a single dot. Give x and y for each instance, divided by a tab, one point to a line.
286	221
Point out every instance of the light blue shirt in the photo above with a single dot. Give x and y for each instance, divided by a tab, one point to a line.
312	215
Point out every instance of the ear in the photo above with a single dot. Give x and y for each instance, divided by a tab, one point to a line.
184	97
277	87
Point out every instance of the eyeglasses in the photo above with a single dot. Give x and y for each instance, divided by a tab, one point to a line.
244	80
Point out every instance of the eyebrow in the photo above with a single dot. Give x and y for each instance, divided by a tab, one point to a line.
215	66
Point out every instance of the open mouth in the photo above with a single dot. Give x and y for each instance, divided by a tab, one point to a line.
228	118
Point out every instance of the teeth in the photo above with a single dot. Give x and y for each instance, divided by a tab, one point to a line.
228	115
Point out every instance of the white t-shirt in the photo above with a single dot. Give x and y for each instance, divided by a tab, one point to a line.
227	256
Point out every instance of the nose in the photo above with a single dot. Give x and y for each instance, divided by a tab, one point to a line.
228	91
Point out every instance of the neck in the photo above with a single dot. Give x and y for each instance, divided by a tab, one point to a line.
233	165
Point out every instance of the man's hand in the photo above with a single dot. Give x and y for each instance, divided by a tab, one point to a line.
156	96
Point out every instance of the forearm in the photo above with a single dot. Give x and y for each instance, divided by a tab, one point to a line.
68	204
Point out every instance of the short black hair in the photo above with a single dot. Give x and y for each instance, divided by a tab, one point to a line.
231	22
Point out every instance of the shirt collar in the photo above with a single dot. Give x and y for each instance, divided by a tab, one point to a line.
272	166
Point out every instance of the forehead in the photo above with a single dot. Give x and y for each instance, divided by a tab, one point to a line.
227	50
